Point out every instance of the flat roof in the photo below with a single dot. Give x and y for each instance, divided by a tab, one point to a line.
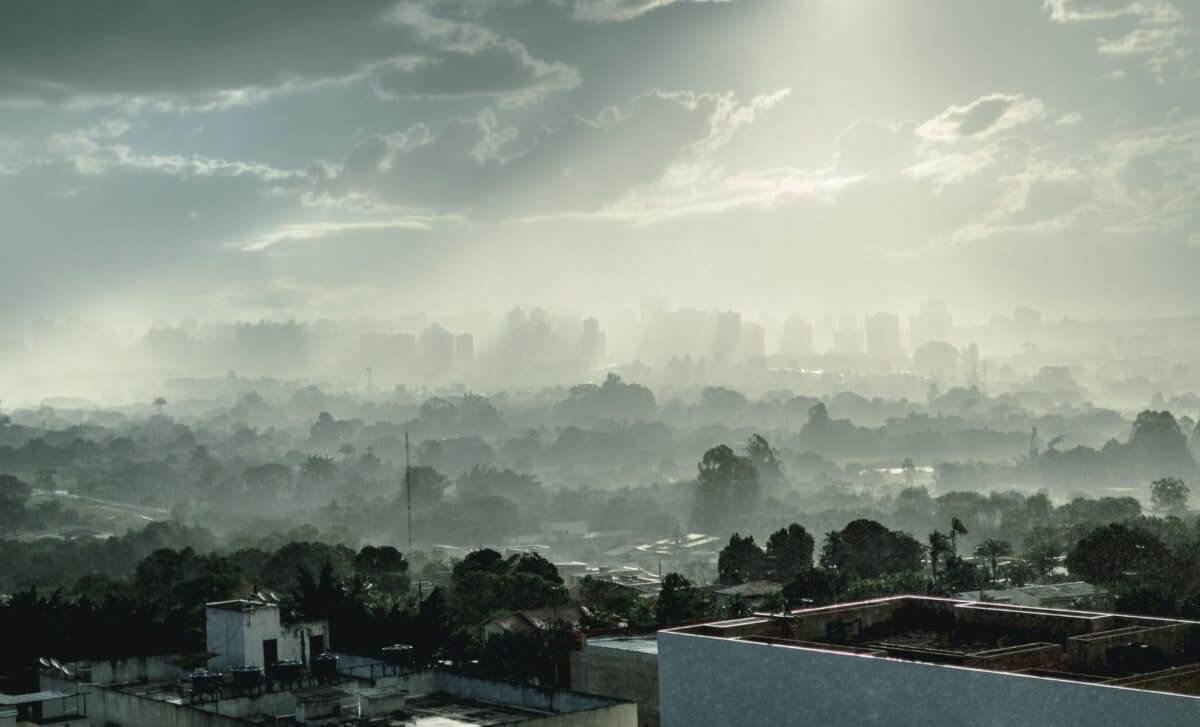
647	644
445	710
31	697
240	604
1137	652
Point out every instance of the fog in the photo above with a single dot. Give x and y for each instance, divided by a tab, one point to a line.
419	315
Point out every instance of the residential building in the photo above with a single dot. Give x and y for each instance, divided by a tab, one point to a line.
531	621
49	707
755	594
623	667
1076	594
249	632
909	660
331	689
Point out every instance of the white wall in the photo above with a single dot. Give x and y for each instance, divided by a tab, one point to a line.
712	681
237	636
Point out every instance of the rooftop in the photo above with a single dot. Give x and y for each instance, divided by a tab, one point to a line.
1040	592
1131	651
445	710
240	604
640	644
752	589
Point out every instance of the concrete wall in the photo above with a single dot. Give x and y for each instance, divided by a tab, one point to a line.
238	636
709	681
619	673
130	710
225	635
123	671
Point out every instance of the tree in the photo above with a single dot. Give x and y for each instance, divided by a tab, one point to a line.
428	486
956	529
383	566
992	550
789	552
766	460
482	481
159	403
866	549
910	471
741	561
1157	441
939	544
1116	553
14	494
725	484
1169	494
679	601
317	468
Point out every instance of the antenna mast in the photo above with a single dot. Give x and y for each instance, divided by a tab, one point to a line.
408	490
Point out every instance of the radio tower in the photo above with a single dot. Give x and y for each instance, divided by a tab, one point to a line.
408	490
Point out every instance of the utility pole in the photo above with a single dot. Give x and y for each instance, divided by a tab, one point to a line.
370	385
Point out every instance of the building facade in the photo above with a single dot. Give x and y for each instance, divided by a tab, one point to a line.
924	661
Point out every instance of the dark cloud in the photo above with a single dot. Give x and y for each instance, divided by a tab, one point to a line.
226	52
475	165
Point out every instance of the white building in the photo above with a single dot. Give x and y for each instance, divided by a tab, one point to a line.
247	632
910	660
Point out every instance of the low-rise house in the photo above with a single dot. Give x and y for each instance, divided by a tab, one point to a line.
247	632
754	594
534	620
1077	594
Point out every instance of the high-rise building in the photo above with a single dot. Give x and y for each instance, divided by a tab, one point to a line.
727	337
593	343
932	323
797	341
883	337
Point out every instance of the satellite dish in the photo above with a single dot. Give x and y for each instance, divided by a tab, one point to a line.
54	663
260	596
67	671
44	661
274	597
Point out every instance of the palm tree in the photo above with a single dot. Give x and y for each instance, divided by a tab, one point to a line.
956	529
992	550
939	544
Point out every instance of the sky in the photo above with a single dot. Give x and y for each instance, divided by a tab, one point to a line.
298	159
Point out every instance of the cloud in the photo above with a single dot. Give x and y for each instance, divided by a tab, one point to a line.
610	11
476	166
1160	48
315	230
1082	11
1157	40
982	117
226	53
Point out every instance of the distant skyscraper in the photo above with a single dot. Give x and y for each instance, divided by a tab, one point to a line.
883	337
753	342
932	323
727	337
848	342
436	351
797	339
464	350
593	343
